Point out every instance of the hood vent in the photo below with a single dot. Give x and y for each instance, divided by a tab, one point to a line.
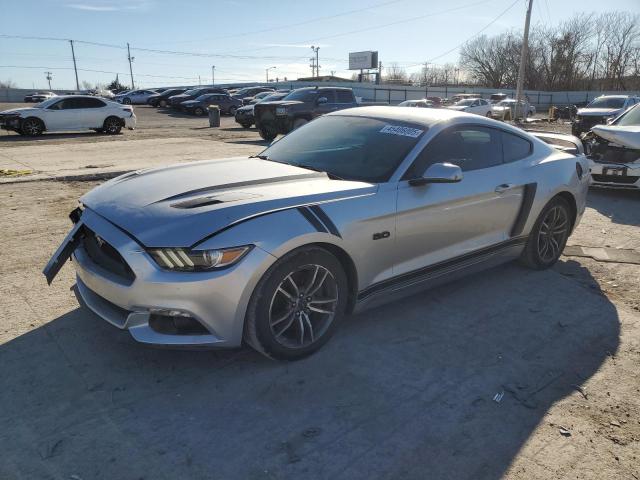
213	200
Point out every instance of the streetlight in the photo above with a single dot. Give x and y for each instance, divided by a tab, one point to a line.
267	72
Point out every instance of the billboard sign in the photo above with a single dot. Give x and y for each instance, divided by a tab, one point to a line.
363	60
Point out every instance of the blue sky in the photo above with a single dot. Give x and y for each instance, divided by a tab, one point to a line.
263	33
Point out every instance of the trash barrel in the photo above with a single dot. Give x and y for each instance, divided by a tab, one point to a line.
214	115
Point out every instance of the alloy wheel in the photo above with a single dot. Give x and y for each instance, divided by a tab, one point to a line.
553	234
303	306
112	126
31	128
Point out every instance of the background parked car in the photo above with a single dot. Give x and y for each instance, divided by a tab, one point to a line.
162	99
227	104
192	94
251	91
299	107
134	97
600	110
244	115
69	112
256	98
498	110
424	103
38	97
479	106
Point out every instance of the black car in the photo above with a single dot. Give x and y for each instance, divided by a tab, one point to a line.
299	107
224	101
176	100
38	97
251	91
162	99
244	115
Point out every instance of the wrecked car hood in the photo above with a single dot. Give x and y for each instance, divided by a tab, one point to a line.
179	205
20	111
628	136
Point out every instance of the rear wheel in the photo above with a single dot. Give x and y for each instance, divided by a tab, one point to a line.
297	305
32	127
246	125
163	103
112	126
199	111
548	236
126	101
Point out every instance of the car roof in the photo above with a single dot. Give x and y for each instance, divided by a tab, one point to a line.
62	97
615	96
427	117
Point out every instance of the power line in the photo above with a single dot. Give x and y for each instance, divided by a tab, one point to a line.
375	27
290	25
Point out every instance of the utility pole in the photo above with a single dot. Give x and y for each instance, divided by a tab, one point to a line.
213	75
315	49
75	68
267	72
131	59
49	78
313	66
523	59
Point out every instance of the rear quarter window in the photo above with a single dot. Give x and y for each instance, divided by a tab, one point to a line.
515	148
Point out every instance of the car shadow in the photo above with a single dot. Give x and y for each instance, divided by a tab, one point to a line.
621	206
400	390
250	142
11	137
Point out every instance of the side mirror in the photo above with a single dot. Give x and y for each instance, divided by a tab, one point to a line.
438	173
322	100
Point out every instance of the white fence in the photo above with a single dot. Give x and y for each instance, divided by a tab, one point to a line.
394	94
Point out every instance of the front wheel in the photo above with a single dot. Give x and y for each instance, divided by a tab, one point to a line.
32	127
548	236
199	111
297	305
267	134
163	103
112	126
126	101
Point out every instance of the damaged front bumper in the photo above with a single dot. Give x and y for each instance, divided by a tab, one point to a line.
615	175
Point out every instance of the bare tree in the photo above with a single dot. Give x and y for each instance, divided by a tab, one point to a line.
395	74
7	84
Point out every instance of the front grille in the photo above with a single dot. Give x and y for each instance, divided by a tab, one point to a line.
626	180
105	256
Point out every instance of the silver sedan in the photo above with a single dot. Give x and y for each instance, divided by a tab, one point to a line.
356	208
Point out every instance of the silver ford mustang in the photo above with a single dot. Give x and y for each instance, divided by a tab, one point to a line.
355	208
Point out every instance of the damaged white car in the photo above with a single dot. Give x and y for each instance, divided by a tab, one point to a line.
614	151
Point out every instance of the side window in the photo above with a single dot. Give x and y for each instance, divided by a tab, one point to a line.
515	148
345	96
469	147
71	104
330	94
92	103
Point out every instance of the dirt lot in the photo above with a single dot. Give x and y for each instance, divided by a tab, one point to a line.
403	391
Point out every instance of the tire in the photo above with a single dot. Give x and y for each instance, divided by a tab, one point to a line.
488	115
267	135
98	130
245	125
112	126
163	103
199	111
298	122
232	111
297	305
32	127
126	101
543	248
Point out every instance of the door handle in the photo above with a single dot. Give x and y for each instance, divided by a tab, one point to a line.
504	187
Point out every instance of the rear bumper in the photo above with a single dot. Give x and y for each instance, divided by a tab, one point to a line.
130	122
217	300
628	175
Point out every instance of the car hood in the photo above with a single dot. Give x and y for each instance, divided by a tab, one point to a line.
593	112
182	95
280	103
21	110
178	206
627	136
246	108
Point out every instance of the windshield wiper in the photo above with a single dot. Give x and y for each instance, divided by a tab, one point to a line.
332	176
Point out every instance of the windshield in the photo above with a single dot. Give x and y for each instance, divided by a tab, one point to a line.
272	97
303	95
604	102
629	118
351	148
467	102
206	96
48	102
194	91
408	103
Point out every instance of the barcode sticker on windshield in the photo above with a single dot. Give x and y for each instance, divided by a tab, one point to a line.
404	131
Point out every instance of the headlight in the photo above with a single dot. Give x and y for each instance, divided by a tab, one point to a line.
183	259
281	110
